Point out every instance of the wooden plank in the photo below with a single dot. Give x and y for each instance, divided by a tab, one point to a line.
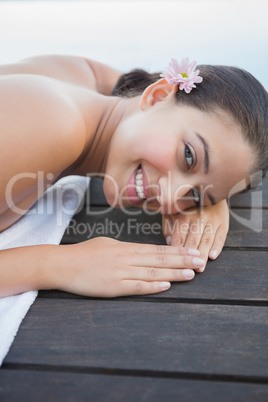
251	199
235	277
158	337
238	276
247	227
95	194
134	225
43	386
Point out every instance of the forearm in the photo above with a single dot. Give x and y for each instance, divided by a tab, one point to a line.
85	269
28	268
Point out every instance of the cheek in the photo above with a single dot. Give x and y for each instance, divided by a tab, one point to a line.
160	154
147	142
152	149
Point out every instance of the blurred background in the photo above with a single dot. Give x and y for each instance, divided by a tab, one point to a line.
134	33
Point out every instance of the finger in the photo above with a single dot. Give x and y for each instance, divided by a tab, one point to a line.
179	235
152	274
193	237
167	225
142	249
206	243
134	287
193	240
168	240
218	242
166	261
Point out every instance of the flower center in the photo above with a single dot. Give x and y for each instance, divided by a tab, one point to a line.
184	75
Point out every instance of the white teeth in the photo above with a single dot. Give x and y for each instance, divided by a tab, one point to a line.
139	184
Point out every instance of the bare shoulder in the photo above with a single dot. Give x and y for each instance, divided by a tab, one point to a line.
41	129
76	70
71	69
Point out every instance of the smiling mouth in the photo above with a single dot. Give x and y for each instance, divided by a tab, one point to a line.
139	185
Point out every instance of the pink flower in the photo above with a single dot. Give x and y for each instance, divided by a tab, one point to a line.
183	74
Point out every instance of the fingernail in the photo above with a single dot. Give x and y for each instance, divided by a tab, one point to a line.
168	240
213	254
191	251
165	285
199	270
188	273
198	262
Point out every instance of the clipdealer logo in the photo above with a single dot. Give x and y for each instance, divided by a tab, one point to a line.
54	204
132	226
110	228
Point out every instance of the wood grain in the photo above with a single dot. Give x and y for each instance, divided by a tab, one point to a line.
202	340
160	337
23	385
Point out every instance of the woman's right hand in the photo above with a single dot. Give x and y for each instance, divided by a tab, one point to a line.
104	267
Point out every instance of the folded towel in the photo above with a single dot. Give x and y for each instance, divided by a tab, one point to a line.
45	223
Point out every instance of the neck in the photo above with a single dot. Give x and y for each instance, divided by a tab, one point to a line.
112	111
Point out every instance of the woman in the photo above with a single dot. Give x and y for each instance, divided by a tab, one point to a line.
161	148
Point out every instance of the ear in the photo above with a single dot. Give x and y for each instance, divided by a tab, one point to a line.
157	92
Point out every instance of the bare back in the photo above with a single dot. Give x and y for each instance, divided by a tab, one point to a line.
42	127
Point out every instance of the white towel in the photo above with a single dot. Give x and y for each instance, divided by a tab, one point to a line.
45	223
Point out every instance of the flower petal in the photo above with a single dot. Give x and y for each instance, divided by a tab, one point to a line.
182	73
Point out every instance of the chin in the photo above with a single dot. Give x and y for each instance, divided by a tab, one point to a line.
110	198
111	195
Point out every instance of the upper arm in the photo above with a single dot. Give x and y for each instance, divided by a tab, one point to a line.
40	131
72	69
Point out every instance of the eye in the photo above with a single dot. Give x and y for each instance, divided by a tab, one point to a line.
189	156
196	197
190	160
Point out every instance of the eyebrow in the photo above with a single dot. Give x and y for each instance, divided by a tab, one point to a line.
206	163
206	152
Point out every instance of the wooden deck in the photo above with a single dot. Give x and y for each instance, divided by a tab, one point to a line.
204	340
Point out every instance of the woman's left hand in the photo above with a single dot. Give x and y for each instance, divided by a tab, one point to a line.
204	229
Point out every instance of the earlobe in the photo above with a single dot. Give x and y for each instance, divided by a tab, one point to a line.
157	92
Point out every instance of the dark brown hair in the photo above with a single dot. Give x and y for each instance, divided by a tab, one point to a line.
230	89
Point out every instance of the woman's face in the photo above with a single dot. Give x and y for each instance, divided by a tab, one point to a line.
171	157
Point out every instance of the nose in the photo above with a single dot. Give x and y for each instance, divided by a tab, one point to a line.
174	193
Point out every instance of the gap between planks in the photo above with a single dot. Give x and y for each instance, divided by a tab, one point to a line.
137	373
151	299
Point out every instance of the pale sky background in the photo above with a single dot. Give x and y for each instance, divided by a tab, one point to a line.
133	33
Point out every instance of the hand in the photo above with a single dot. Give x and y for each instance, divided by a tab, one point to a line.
104	267
205	229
